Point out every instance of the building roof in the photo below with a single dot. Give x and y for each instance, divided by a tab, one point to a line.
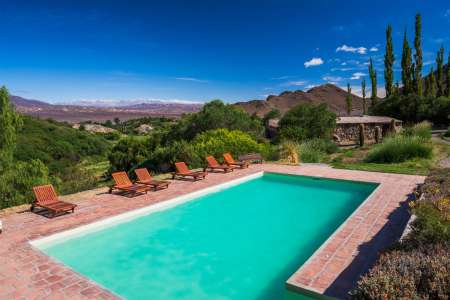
365	120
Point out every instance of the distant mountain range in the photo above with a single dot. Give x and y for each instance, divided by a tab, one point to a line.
333	96
79	113
329	94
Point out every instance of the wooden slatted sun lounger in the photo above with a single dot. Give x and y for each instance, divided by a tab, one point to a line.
213	165
144	177
183	171
123	183
229	160
47	198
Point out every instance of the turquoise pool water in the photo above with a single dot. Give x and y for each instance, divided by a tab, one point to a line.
243	242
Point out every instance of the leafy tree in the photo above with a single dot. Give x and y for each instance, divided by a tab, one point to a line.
373	80
273	114
108	123
363	90
214	115
129	152
440	72
389	59
307	121
406	67
349	99
418	60
10	121
116	121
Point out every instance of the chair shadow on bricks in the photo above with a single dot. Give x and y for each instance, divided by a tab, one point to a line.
368	252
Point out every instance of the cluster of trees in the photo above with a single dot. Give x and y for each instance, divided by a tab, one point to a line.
16	178
418	98
217	126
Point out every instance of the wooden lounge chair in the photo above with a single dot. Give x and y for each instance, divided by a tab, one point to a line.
213	165
144	177
46	198
124	184
231	162
183	171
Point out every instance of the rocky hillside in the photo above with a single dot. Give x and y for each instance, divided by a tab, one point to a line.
329	94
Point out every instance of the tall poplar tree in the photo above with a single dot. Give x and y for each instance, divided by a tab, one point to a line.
389	59
440	72
432	84
373	81
363	91
418	57
349	99
9	122
448	76
406	66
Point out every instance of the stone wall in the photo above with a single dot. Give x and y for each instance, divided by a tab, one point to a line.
349	134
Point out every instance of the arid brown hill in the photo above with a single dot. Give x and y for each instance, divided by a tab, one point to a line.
329	94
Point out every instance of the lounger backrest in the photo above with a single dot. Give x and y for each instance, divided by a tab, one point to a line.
182	168
143	174
121	179
45	194
212	162
228	158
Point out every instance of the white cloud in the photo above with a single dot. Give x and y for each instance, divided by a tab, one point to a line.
190	79
310	86
315	61
373	49
332	79
280	77
344	64
345	48
447	13
297	83
357	75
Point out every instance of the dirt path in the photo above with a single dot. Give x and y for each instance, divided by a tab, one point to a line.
445	162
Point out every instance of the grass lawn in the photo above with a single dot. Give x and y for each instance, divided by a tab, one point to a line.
354	160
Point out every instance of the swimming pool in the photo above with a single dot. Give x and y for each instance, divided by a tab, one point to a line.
242	242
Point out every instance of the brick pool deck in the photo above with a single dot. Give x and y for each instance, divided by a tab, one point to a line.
26	273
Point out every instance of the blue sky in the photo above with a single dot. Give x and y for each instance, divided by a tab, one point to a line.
68	51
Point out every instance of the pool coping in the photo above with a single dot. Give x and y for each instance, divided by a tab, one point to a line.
27	273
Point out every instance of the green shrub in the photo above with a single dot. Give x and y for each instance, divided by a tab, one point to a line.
289	152
399	148
128	153
216	142
421	130
447	133
16	183
307	121
314	150
419	273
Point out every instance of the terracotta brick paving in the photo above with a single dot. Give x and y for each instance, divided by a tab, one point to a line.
26	273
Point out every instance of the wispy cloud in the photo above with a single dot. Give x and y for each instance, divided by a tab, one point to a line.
315	61
357	75
339	28
332	79
296	83
345	48
191	79
373	49
280	77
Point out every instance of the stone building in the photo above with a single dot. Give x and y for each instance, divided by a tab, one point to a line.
348	129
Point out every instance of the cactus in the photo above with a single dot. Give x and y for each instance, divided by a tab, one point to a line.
362	136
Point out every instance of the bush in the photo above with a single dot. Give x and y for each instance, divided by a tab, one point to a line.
128	153
289	151
421	130
313	151
447	133
307	121
216	142
16	183
420	273
399	148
